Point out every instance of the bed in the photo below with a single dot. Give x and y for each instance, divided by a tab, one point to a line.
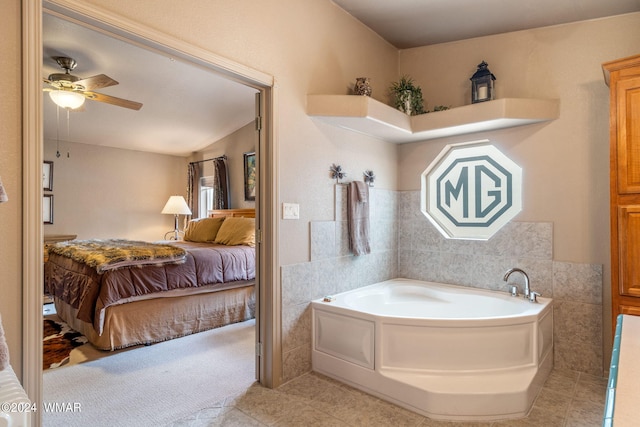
190	286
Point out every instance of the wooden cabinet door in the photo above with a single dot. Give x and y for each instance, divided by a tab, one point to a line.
628	135
625	309
629	250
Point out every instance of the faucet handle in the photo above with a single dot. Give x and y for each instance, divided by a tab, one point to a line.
533	296
513	290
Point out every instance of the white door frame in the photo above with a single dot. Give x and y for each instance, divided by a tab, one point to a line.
269	329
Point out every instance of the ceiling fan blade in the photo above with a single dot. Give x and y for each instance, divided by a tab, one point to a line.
97	82
50	83
113	100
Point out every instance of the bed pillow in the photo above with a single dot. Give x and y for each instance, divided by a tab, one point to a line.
203	229
237	231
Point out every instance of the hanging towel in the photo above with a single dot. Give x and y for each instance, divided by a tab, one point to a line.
3	193
4	350
358	217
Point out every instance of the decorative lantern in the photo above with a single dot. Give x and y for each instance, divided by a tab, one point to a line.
482	84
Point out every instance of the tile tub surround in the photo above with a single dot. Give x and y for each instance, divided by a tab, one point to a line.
576	288
405	244
568	398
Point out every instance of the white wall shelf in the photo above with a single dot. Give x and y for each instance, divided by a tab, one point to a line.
371	117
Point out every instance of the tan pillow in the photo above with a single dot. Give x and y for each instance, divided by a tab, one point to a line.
237	231
203	229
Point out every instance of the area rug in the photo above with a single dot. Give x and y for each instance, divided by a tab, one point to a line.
58	342
153	385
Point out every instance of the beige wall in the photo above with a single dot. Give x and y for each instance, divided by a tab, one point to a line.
102	192
565	162
11	173
233	146
309	47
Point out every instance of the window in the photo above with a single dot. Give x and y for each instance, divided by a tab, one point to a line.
205	200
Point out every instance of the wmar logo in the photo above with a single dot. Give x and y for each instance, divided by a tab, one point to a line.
471	190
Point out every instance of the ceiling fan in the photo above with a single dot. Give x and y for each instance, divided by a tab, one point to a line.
70	91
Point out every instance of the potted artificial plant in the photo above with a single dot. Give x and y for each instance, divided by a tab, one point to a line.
407	97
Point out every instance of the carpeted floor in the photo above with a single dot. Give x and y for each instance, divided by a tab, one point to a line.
152	385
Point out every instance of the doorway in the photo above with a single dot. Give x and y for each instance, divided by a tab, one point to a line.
267	329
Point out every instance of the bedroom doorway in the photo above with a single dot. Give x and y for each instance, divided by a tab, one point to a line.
266	218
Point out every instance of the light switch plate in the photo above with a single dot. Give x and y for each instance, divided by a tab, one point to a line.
290	211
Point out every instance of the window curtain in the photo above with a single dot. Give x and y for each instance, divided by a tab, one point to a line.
221	193
220	184
193	188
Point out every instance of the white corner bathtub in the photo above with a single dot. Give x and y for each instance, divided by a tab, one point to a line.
447	352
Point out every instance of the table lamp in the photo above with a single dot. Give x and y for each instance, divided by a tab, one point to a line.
176	205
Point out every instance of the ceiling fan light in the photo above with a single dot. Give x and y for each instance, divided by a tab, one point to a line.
67	99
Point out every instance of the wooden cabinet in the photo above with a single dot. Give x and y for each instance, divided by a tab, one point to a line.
623	78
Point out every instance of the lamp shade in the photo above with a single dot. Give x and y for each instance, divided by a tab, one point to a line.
67	98
176	205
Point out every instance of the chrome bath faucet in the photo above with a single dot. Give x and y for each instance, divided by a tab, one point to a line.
528	293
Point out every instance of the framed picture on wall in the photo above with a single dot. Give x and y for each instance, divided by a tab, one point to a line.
47	208
250	176
47	175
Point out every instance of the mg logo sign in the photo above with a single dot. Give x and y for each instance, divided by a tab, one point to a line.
471	190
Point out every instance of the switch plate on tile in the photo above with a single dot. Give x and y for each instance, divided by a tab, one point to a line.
290	211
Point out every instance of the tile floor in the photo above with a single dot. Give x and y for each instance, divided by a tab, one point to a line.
568	399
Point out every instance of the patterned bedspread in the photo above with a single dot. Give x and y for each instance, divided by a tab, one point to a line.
112	254
80	285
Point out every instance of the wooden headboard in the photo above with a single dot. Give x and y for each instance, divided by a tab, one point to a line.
246	213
